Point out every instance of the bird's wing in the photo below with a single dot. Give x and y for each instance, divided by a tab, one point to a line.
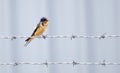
33	34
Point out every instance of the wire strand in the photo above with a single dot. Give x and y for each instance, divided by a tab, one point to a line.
104	63
103	36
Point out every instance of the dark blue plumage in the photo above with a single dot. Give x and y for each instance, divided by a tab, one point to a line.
43	19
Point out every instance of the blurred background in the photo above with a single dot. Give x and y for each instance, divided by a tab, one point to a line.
66	17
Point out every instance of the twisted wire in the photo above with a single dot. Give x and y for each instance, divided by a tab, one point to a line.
103	36
103	63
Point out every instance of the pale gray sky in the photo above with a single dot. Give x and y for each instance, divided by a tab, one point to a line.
66	17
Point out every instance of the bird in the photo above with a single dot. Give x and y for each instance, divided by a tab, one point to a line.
40	28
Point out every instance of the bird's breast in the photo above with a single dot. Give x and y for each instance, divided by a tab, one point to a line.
40	30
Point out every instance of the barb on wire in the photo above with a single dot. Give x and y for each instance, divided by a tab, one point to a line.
103	63
75	63
103	36
46	63
15	64
63	36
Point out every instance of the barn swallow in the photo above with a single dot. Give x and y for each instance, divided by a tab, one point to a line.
41	26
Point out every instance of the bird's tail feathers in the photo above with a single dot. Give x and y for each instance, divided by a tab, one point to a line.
28	41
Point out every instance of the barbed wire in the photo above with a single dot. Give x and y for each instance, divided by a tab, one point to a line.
63	36
103	63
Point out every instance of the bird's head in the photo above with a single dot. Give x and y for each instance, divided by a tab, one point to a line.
43	19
